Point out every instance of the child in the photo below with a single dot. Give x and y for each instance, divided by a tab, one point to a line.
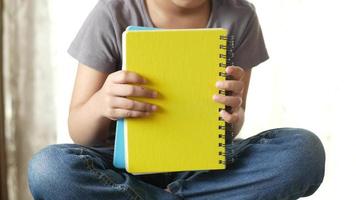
284	163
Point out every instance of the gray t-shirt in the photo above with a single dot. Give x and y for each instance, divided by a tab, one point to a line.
98	43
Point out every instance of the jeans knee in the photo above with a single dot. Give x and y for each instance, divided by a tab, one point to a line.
307	159
310	150
44	169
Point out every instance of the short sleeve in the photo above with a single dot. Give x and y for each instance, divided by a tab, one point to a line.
96	43
251	50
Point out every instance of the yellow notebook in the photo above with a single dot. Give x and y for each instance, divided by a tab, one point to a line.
186	133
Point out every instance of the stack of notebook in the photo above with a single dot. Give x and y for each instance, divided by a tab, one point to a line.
186	132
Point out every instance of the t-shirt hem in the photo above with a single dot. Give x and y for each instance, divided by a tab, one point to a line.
251	64
106	67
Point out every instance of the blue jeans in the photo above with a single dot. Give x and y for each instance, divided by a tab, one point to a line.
278	164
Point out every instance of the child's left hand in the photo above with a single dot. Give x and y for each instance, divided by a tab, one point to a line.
236	86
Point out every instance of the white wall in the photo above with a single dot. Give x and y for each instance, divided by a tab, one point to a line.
308	82
67	18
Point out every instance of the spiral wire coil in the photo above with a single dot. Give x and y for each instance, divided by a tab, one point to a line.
227	136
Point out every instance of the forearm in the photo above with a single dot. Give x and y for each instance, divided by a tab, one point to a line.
86	124
241	119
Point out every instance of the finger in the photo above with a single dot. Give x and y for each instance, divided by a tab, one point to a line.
236	72
233	101
122	113
229	118
125	77
231	85
124	90
128	104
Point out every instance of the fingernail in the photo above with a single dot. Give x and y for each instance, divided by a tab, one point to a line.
153	108
215	97
219	84
240	99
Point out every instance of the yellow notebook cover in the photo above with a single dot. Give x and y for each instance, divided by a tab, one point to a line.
183	66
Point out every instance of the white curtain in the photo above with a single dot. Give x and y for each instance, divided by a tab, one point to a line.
29	87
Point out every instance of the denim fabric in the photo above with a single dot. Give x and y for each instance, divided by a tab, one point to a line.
278	164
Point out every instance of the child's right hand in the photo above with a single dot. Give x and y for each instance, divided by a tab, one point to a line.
117	87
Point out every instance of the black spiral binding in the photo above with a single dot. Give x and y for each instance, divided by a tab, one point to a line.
227	136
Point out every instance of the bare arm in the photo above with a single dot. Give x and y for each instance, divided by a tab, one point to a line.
99	98
85	121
